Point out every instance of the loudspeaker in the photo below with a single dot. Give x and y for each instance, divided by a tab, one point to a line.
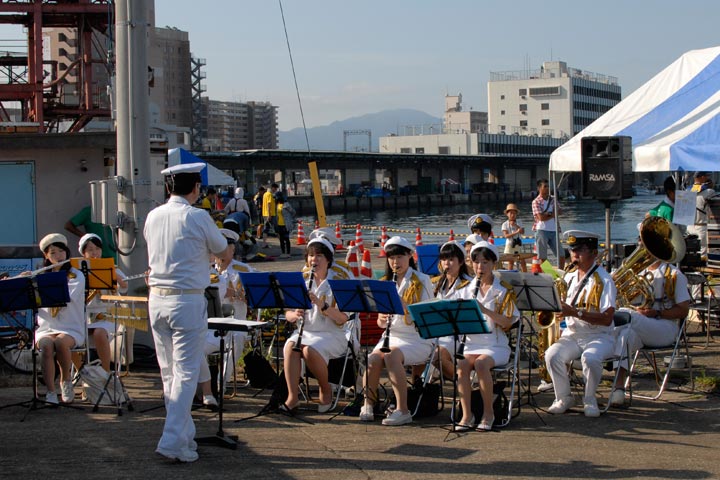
606	168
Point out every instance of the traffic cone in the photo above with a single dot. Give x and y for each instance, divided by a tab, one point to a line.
452	236
317	224
383	239
352	260
536	268
338	236
418	237
366	265
359	239
301	234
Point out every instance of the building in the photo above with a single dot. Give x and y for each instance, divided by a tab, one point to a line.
233	126
555	101
456	120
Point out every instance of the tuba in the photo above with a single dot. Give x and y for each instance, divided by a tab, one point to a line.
659	240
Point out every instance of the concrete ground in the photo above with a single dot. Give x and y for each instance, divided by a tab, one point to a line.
671	438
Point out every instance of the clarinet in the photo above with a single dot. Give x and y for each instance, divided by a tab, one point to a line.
461	349
386	341
298	344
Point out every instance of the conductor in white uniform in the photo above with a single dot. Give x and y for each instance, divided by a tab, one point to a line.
179	240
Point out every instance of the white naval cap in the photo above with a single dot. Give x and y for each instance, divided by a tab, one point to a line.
401	241
477	218
473	238
239	192
51	238
485	244
231	236
328	233
322	240
196	167
457	244
85	239
578	238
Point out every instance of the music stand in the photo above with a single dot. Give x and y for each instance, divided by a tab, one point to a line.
278	290
533	292
99	272
441	318
33	293
427	258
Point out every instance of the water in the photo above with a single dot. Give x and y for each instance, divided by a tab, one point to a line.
580	214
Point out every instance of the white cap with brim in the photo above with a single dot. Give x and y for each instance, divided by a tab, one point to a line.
401	241
51	238
578	238
323	241
230	235
239	192
328	233
196	167
485	244
457	244
478	218
85	239
473	238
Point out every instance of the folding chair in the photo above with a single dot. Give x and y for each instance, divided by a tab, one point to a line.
513	373
426	377
650	355
703	305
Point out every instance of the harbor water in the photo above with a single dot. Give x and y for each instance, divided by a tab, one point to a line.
436	222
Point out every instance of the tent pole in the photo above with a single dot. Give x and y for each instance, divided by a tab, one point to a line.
557	222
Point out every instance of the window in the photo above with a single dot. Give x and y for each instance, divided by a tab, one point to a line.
522	92
419	150
545	121
544	91
444	150
523	107
502	97
502	128
502	112
406	150
523	123
544	106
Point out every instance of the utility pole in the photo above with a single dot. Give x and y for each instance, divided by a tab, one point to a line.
133	137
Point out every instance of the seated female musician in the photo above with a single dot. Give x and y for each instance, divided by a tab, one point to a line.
470	242
483	352
452	282
60	328
226	277
90	246
320	335
406	347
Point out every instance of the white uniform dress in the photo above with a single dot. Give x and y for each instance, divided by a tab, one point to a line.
456	291
592	343
179	239
70	319
95	308
495	343
415	287
655	332
320	332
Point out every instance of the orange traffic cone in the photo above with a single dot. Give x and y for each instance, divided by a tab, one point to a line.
452	236
536	268
338	236
352	260
317	224
359	239
301	234
418	237
366	265
383	239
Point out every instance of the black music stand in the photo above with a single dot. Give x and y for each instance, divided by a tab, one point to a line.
533	292
441	318
428	257
33	293
222	326
278	290
367	296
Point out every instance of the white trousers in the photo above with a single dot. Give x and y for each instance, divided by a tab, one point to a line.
645	332
179	326
234	343
592	349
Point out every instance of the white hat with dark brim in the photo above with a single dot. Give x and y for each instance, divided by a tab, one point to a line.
51	238
485	244
578	238
196	167
328	233
473	238
321	239
401	241
477	218
230	235
85	239
457	244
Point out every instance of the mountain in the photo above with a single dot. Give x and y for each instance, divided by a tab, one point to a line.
330	137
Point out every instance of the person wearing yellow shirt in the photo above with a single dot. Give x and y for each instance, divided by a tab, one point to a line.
269	212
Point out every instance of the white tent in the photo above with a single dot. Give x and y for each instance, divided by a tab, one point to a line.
673	119
210	176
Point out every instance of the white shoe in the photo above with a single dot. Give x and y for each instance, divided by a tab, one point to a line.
367	414
51	398
544	386
591	408
209	401
617	399
67	392
561	405
398	418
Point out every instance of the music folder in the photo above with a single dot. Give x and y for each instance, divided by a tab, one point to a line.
533	291
441	318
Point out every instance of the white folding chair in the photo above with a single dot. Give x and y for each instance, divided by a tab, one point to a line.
513	374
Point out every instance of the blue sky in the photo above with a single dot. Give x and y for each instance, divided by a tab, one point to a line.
361	57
